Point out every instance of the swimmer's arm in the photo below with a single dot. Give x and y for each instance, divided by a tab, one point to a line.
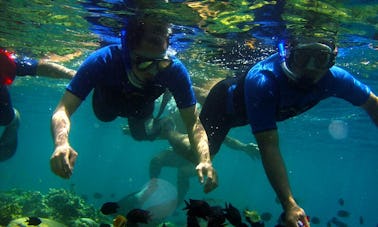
199	143
276	172
238	145
274	166
196	133
53	70
60	123
371	107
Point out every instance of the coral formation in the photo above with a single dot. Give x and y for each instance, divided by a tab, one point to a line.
58	204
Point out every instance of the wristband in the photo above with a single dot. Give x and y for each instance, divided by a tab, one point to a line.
26	66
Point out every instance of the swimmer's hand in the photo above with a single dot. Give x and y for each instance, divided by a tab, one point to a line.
63	160
206	168
295	216
252	150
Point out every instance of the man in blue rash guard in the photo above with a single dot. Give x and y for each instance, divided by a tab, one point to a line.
282	86
10	66
126	80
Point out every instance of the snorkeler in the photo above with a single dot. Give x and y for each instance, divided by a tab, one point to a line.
126	79
10	66
282	86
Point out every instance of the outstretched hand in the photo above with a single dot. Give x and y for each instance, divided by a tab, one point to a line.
296	217
63	160
206	168
252	150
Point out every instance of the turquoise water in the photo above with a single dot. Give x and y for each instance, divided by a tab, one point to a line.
322	168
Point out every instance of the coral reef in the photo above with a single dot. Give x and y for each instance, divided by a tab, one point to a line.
58	204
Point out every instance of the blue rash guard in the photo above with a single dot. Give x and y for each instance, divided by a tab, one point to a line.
107	69
266	95
270	96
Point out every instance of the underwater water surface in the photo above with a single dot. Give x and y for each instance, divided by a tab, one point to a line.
330	151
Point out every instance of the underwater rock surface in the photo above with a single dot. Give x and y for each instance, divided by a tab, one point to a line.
22	222
60	205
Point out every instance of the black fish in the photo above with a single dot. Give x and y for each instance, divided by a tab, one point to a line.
255	224
338	223
191	221
233	215
343	213
109	208
341	201
315	220
266	216
33	221
105	225
97	195
138	216
361	220
216	217
197	208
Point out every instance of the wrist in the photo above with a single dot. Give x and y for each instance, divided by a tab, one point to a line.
289	203
26	66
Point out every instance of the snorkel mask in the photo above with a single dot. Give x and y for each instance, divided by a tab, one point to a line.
7	67
306	62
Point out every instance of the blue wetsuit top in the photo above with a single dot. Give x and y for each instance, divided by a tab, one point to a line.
270	96
108	67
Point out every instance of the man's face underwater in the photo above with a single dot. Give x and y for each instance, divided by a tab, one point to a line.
309	63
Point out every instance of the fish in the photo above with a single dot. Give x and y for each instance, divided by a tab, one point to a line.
256	224
97	195
120	221
315	220
266	216
109	208
138	216
197	208
233	214
216	217
191	221
341	201
252	216
343	213
361	220
33	221
105	225
338	223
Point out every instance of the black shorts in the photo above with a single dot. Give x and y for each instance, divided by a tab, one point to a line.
108	104
214	116
6	108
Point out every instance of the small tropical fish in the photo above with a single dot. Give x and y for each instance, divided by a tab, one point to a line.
233	214
109	208
343	213
104	225
216	217
252	216
338	223
266	216
119	221
138	216
97	195
315	220
191	221
341	202
361	220
33	221
197	208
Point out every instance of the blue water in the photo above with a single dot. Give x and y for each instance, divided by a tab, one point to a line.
322	169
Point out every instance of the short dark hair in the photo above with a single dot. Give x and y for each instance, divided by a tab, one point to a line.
331	43
147	28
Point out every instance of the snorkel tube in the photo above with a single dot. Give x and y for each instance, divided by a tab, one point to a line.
282	51
7	67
